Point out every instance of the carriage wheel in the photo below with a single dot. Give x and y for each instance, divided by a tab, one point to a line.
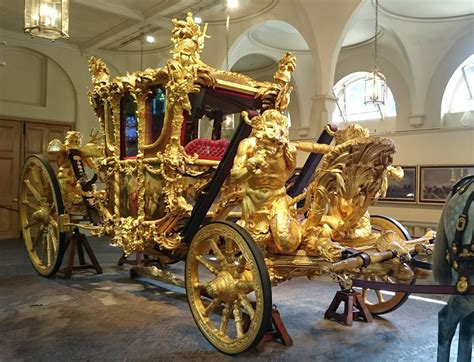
228	287
40	206
376	301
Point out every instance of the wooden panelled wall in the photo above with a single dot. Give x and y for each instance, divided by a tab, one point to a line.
18	140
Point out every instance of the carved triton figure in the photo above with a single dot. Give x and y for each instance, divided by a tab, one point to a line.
263	163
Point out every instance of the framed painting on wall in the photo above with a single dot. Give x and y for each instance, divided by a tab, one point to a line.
405	190
436	181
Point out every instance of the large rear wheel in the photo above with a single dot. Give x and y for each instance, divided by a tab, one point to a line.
378	301
228	287
40	206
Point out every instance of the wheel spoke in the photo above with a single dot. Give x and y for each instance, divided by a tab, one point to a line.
217	252
39	181
211	307
50	248
44	254
225	319
208	265
245	302
53	240
38	236
241	262
29	204
35	192
379	296
199	286
238	320
34	223
246	286
229	249
36	172
364	296
53	223
378	293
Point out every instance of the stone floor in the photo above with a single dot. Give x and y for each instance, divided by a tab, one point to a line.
110	317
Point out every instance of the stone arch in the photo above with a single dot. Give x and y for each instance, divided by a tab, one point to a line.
461	49
265	72
303	83
356	60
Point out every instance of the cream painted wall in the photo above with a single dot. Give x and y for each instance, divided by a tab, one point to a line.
436	147
38	88
54	77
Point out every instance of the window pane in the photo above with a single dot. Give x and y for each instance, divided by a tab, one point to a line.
128	127
351	91
155	115
458	95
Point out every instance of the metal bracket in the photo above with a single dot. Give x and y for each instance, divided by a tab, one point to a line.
64	223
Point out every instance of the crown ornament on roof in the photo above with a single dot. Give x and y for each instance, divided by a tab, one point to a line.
188	39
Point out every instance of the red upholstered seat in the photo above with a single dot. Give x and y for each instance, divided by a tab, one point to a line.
207	149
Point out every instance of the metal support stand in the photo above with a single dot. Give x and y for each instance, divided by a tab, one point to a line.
79	241
354	308
276	330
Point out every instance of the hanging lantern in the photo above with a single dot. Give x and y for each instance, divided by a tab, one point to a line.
375	85
375	88
47	18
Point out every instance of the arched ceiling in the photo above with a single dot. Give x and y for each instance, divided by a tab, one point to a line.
278	35
428	9
362	28
254	62
120	25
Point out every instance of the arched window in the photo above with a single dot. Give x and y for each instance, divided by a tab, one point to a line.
350	105
458	96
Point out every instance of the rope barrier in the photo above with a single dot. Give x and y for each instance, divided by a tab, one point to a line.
7	208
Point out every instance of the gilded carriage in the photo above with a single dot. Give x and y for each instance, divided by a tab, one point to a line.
192	164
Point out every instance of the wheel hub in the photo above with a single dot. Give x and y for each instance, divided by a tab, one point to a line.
223	287
42	216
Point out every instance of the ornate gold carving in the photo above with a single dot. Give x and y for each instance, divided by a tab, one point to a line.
352	175
263	163
70	187
99	71
349	180
277	95
222	266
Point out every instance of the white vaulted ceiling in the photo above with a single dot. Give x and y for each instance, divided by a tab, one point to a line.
119	25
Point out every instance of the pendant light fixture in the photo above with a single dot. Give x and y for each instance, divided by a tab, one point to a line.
47	18
375	84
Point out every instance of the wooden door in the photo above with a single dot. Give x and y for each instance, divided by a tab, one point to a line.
38	135
18	140
10	157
